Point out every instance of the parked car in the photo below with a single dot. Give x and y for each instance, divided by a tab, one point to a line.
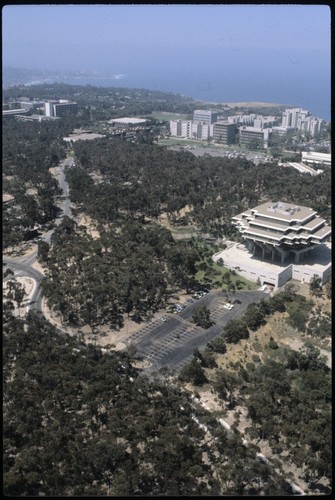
228	306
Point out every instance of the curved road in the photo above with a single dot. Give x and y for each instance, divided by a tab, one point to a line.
22	266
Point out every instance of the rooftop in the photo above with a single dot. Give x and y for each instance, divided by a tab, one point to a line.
128	121
284	211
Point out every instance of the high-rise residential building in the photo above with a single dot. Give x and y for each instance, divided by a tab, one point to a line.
224	132
205	116
48	108
301	119
175	128
191	129
293	117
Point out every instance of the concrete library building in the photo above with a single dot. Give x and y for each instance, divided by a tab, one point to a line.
282	241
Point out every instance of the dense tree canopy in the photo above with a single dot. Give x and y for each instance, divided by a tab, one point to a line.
133	269
78	421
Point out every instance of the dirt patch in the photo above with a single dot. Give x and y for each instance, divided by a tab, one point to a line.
28	284
85	220
36	265
141	364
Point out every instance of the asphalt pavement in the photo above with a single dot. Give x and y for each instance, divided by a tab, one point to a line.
171	343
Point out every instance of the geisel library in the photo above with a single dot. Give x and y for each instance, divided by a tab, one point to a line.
282	241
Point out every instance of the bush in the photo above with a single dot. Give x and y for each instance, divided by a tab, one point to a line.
193	372
273	344
217	345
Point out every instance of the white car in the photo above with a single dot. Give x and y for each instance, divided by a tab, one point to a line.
228	306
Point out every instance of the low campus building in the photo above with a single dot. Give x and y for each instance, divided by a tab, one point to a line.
315	158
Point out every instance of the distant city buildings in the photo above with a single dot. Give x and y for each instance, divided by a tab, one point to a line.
246	129
301	119
51	109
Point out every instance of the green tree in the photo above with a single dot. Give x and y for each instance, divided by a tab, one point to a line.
226	383
315	285
235	330
201	317
217	345
42	251
193	372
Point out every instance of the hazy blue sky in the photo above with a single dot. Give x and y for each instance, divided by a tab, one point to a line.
277	50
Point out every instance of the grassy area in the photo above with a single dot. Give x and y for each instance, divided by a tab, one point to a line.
167	116
212	274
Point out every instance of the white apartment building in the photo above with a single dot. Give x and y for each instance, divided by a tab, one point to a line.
301	119
59	107
247	120
191	129
293	117
312	125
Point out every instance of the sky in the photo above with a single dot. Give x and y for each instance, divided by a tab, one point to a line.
214	51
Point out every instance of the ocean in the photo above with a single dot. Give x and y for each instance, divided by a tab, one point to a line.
317	102
299	78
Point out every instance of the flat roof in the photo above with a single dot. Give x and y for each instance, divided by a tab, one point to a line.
14	111
284	211
85	136
128	121
315	154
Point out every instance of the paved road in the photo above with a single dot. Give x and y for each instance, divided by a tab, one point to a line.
172	343
22	266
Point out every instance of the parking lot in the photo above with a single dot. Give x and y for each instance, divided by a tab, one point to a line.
228	152
171	343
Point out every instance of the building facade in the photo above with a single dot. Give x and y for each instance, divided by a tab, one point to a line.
301	120
205	116
59	108
191	130
282	230
314	158
253	135
224	132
